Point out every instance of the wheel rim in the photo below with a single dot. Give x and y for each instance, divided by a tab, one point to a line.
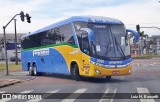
74	71
35	70
30	70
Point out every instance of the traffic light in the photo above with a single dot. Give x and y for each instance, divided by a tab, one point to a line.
28	18
22	15
138	28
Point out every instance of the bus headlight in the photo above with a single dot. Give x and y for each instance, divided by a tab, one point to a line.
97	71
130	71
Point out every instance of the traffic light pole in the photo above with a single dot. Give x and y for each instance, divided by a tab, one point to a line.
5	47
151	27
16	43
5	50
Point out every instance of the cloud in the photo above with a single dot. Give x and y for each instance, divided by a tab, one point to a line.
46	12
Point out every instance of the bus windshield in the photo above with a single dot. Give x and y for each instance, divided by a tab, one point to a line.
111	41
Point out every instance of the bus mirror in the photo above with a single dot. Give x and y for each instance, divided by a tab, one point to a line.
135	34
90	33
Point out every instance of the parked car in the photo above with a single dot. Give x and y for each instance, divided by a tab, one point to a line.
13	58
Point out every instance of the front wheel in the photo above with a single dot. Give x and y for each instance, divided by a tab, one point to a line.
75	72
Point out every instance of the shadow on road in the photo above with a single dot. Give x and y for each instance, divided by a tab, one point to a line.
87	79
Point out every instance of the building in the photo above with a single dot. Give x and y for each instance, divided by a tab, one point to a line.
147	45
156	44
10	43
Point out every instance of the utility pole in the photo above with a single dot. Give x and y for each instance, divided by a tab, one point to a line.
16	42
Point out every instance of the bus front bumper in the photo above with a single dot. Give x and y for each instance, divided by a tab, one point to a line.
97	71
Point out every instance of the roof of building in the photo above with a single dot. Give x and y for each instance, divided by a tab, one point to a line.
91	19
12	35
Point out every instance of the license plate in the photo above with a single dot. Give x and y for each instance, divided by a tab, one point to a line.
115	72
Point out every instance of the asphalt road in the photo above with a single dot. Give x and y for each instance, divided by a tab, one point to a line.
145	78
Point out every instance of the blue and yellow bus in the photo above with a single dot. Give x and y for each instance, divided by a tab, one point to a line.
89	46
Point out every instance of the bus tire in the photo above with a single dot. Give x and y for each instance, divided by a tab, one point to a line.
108	78
75	72
30	70
35	69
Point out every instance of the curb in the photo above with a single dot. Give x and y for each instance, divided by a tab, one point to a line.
15	81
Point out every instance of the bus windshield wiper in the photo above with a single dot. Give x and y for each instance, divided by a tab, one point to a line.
107	48
118	46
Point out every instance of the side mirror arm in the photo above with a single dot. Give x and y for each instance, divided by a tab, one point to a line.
135	34
90	33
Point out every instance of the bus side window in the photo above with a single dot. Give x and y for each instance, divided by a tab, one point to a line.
85	43
71	40
67	34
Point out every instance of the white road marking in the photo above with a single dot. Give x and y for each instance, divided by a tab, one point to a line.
26	91
52	91
153	64
108	90
2	91
37	100
144	90
74	95
138	65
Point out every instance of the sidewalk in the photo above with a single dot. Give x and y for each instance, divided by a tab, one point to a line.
13	78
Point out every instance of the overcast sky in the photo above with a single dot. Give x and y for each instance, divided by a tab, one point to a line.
46	12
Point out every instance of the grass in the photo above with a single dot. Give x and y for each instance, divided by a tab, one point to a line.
11	67
146	56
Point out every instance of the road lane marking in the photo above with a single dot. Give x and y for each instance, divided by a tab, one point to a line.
2	91
74	95
37	100
144	90
108	90
26	91
52	91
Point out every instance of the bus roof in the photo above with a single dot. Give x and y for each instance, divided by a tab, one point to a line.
90	19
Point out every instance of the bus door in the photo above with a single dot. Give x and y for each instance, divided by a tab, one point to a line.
85	52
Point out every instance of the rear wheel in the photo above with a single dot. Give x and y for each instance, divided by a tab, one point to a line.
31	73
75	72
35	71
108	78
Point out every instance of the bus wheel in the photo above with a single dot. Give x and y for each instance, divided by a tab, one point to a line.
35	69
31	73
108	78
75	72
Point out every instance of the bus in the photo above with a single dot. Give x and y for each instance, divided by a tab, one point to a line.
80	46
